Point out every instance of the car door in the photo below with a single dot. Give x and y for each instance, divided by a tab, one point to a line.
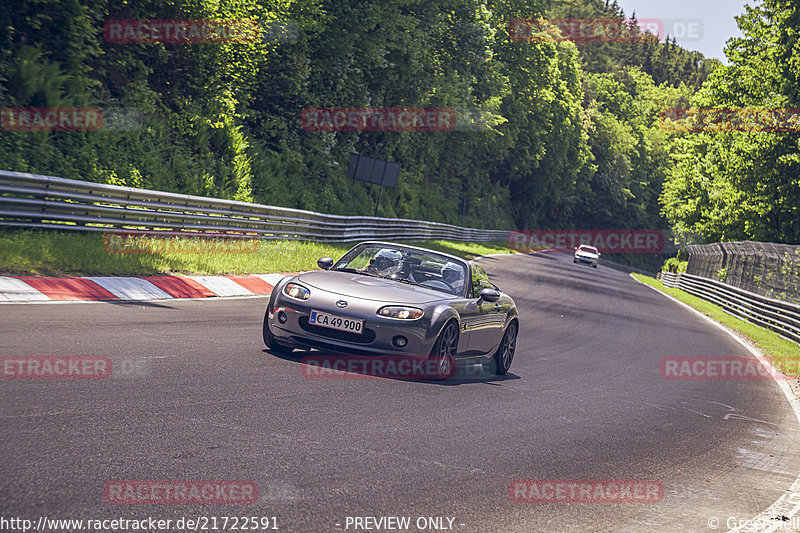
485	320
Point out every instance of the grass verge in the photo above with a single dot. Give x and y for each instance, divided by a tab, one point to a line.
51	253
782	353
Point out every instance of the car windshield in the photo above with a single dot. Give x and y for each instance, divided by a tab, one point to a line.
406	265
588	249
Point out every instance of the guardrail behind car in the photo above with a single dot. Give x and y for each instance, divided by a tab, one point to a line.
779	316
769	269
33	201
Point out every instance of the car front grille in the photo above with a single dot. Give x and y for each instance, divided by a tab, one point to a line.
365	337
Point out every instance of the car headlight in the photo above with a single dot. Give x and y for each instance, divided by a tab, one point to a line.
403	313
298	292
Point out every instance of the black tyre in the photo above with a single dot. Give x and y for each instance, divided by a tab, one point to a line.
444	352
505	352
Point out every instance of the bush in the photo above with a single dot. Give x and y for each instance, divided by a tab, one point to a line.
675	265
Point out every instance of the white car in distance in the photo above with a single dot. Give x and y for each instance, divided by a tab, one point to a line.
586	254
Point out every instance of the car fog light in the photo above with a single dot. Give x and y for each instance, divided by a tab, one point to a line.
282	318
400	341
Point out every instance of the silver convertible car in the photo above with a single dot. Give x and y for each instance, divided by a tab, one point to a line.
384	299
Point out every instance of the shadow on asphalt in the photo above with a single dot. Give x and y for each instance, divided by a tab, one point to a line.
595	289
463	374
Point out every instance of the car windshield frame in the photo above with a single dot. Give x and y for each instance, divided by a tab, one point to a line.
587	249
432	269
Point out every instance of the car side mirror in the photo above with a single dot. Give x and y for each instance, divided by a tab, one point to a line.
599	254
489	295
325	263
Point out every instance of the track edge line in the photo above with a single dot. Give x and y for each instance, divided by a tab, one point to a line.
787	505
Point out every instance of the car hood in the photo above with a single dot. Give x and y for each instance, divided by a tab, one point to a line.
588	255
370	288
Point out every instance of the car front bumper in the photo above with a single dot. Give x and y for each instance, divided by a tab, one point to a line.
586	260
376	338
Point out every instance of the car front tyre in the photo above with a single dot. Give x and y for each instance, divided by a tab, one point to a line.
444	352
505	352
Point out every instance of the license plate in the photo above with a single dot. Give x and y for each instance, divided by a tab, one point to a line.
335	322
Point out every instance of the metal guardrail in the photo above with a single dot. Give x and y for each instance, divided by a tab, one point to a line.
766	268
32	201
779	316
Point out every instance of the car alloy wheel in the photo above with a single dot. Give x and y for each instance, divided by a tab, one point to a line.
505	353
444	351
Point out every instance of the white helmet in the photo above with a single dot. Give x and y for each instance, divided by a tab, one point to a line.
387	261
451	273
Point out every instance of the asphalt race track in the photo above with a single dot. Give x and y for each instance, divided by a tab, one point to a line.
194	396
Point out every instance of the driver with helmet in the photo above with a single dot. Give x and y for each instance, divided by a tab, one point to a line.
385	263
453	276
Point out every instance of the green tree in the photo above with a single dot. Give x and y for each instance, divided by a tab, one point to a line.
743	185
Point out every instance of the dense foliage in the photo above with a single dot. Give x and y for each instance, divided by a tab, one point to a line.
736	185
569	135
